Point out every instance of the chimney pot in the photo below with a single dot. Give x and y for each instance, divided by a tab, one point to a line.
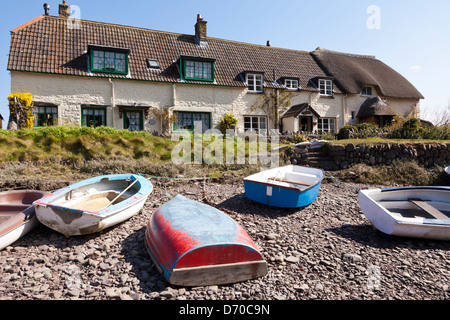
199	17
46	8
64	10
268	43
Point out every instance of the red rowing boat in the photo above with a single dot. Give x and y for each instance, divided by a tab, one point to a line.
193	244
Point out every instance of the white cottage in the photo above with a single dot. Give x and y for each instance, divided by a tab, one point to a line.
88	73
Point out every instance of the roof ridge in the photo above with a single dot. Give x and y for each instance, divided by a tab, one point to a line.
178	33
354	55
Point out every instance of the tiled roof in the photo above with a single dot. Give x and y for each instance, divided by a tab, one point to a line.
46	44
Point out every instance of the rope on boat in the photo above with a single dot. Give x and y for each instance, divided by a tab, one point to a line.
171	178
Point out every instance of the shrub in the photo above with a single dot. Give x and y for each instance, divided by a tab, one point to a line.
227	121
26	117
411	129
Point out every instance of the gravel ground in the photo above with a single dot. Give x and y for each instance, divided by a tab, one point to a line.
327	250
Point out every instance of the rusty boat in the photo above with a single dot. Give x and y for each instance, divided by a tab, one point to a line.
17	214
194	244
93	204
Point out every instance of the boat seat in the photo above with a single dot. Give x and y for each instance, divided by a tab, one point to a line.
437	214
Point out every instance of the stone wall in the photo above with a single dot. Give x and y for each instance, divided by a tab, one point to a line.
340	156
426	154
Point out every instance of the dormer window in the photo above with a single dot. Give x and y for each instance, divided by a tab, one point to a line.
109	60
197	68
291	84
255	82
367	91
326	87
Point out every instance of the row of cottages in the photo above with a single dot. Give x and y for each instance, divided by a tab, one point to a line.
88	73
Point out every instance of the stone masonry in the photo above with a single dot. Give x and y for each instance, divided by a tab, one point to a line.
343	156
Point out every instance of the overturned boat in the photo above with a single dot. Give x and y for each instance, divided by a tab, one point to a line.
93	204
194	244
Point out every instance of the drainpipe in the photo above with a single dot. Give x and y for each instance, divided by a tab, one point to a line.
113	100
344	109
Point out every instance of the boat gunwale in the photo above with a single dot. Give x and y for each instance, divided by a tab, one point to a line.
320	178
420	221
284	187
139	196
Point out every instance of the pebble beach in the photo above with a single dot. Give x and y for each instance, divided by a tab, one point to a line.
325	251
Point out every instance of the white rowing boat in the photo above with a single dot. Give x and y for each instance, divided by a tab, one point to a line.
93	204
419	212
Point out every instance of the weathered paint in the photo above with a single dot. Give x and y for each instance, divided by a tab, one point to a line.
53	210
184	234
145	187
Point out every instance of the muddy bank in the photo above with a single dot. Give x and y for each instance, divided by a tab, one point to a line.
327	250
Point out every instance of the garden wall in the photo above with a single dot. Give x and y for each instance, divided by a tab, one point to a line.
343	156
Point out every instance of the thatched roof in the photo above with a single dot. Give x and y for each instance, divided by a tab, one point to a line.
352	72
375	107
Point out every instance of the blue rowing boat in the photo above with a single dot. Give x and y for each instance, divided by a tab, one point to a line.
284	187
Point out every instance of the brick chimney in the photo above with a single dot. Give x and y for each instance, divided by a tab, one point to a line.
64	10
200	31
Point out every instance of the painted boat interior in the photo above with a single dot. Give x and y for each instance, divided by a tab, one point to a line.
409	209
96	196
289	176
423	203
16	207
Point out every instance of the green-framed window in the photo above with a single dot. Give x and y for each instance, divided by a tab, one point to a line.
93	117
109	61
133	120
186	120
45	116
198	70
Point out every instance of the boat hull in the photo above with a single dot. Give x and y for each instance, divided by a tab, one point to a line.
261	189
374	204
71	219
17	215
194	244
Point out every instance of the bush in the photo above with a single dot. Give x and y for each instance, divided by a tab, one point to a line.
227	122
411	129
26	118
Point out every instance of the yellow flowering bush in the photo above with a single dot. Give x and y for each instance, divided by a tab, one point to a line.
226	122
25	100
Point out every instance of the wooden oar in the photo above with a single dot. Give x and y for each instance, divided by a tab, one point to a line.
290	181
120	194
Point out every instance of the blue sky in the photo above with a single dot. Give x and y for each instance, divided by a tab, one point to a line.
413	37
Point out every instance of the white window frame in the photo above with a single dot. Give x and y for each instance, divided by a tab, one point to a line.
256	125
251	79
330	125
326	87
291	84
364	91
